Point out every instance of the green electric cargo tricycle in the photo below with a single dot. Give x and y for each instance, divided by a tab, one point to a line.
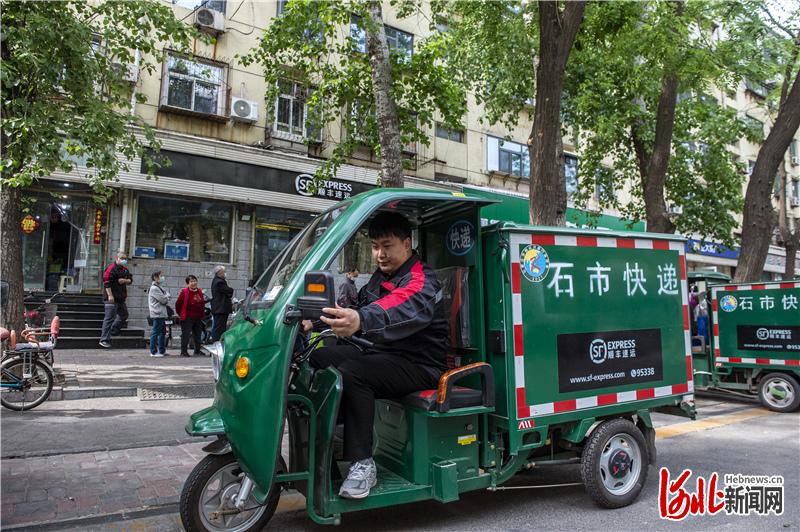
752	343
562	343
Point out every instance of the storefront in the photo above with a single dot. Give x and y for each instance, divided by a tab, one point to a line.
63	241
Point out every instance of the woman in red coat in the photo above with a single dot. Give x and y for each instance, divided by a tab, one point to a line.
190	306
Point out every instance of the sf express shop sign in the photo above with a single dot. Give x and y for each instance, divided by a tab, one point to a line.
329	189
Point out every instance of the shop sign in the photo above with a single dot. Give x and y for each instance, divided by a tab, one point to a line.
97	236
29	224
326	188
711	249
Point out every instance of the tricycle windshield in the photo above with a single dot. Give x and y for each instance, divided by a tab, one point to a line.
281	270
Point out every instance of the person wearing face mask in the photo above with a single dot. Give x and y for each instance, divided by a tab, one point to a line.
348	294
116	279
158	301
190	306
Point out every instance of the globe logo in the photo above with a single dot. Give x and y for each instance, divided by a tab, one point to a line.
728	303
534	263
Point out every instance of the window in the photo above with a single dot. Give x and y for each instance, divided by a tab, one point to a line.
508	156
456	135
750	165
571	174
196	231
282	6
290	110
360	118
275	228
194	85
796	192
399	41
216	5
604	184
755	128
793	150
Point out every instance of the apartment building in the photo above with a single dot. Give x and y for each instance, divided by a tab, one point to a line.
236	190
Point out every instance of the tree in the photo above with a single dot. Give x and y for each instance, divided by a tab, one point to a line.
782	40
383	97
64	96
513	55
639	105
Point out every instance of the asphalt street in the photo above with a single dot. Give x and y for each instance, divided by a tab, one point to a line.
729	437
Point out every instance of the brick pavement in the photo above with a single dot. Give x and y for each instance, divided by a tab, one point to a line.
60	487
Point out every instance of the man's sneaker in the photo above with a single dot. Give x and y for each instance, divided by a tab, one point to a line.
157	355
105	344
363	475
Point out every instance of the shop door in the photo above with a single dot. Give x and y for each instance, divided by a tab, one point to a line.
35	249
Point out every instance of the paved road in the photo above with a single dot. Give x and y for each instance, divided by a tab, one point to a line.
140	485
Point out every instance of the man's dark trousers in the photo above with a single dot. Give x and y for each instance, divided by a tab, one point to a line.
219	325
367	377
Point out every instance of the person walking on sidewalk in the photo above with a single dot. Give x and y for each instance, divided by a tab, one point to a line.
190	307
158	303
221	303
115	291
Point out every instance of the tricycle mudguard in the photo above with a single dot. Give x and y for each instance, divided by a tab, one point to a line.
206	422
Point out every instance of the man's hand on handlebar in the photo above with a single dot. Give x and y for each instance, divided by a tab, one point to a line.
345	321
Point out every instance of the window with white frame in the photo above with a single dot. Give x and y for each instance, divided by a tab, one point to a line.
507	156
571	173
292	118
194	85
398	40
604	184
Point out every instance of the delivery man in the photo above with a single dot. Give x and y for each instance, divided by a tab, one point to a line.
400	309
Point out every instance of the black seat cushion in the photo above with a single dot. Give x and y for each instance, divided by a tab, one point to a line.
460	398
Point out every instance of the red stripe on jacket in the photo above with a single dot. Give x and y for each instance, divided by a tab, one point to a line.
108	272
401	295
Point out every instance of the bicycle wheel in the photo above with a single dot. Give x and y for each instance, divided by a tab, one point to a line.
26	382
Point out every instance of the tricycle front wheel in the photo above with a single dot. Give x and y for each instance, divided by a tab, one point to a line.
779	392
207	500
614	463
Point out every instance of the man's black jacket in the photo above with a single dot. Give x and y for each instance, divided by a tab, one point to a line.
404	314
221	295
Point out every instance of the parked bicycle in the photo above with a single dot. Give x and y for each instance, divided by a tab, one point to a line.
26	379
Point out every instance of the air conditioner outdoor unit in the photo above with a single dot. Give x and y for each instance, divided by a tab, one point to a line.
243	110
674	209
209	20
795	161
129	71
795	202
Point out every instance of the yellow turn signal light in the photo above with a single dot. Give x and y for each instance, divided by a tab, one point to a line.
315	287
242	367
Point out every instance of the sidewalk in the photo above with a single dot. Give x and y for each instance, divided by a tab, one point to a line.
87	373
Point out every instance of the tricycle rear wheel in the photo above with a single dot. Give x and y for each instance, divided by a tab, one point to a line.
211	487
779	392
614	463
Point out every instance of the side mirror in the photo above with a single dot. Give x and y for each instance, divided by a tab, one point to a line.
319	293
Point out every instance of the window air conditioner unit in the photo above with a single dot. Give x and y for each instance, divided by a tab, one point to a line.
795	202
795	161
675	209
129	71
243	110
209	20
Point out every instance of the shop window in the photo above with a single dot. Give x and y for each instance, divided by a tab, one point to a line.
456	135
173	229
509	157
275	228
401	42
291	112
194	85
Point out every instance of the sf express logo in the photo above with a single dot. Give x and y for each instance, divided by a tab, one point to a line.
601	350
304	184
762	333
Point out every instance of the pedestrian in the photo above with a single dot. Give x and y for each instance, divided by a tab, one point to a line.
190	307
221	303
158	303
348	294
116	279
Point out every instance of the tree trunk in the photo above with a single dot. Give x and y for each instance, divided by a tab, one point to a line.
385	109
557	31
759	216
11	257
791	254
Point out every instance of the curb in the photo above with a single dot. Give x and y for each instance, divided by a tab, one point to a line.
288	502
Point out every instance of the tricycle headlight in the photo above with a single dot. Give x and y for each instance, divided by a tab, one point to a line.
217	353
